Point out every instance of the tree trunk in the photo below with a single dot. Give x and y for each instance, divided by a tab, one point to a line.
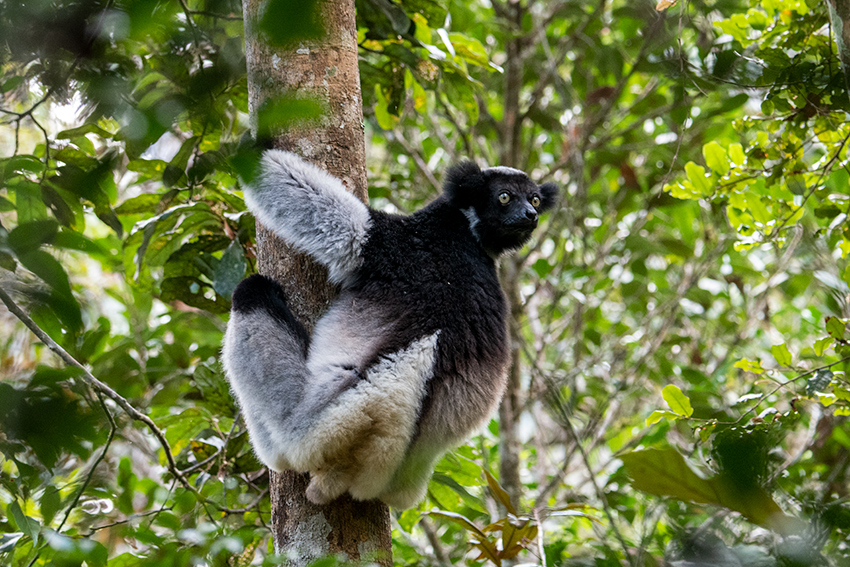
839	15
511	150
325	69
511	406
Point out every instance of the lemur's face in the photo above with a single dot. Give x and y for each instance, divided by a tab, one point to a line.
516	204
511	212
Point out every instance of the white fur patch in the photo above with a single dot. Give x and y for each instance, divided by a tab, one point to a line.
473	219
311	210
358	442
505	170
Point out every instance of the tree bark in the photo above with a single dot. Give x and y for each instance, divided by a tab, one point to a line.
511	150
326	70
511	406
839	15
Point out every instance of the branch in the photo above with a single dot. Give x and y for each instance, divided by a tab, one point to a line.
826	169
418	159
102	388
598	489
100	457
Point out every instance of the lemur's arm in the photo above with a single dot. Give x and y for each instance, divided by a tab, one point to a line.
311	210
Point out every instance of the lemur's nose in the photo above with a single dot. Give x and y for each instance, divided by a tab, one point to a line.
531	215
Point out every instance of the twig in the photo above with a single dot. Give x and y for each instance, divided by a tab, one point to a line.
826	169
782	385
110	437
436	546
540	549
598	489
103	389
94	529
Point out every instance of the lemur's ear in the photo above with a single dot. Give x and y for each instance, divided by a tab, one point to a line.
548	196
464	184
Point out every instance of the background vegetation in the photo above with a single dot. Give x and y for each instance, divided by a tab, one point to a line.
680	394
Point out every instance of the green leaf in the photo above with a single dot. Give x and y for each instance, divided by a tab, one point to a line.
23	163
664	472
715	158
26	524
286	23
658	415
230	270
30	236
82	131
696	175
750	366
8	541
51	502
191	291
48	269
835	327
826	399
140	204
736	154
460	520
28	201
677	400
498	492
469	49
284	112
781	354
12	84
385	118
821	345
819	381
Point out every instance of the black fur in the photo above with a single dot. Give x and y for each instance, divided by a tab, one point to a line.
258	292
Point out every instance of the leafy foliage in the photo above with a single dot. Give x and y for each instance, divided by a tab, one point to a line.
680	324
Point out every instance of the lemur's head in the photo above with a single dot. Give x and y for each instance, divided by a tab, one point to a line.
501	203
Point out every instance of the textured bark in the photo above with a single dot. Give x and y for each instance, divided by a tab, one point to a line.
326	70
839	15
511	406
510	155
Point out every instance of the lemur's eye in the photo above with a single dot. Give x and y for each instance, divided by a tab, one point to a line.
535	201
504	198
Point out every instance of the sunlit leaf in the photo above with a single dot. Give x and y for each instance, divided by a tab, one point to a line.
750	366
658	415
835	327
781	354
677	400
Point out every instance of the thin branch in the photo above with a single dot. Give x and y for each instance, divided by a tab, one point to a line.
418	159
540	548
598	489
826	169
94	529
100	457
782	385
102	388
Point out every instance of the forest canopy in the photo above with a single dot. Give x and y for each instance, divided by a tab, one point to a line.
679	387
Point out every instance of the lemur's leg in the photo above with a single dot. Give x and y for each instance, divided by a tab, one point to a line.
324	411
410	481
311	210
368	430
264	356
